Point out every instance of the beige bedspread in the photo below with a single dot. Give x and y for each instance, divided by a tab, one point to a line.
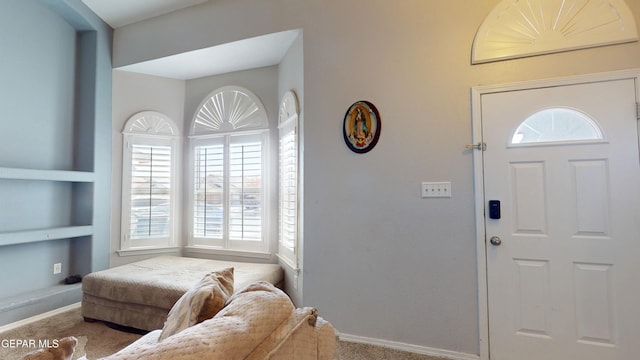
141	294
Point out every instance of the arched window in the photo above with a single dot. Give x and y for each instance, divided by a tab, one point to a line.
229	108
149	186
520	28
229	134
557	125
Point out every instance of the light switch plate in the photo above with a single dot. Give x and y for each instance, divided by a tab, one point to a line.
441	189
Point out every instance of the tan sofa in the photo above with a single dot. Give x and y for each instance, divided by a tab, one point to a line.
258	322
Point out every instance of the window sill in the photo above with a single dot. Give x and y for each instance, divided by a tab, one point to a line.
286	262
220	251
148	251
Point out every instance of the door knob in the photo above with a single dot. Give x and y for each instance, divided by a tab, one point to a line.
495	241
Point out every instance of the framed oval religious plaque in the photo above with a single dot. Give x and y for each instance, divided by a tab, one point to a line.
361	128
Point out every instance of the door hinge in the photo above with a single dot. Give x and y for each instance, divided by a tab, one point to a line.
479	146
638	111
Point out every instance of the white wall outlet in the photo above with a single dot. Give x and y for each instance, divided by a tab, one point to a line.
57	268
440	189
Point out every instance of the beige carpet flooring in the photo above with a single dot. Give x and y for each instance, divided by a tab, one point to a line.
97	340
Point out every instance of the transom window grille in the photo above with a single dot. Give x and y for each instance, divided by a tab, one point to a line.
520	28
229	149
230	108
149	211
557	125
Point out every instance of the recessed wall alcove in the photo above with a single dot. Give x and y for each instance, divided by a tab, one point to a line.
266	64
55	157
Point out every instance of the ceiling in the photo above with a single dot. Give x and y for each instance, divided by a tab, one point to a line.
118	13
244	54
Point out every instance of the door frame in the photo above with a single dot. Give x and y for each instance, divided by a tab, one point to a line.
478	174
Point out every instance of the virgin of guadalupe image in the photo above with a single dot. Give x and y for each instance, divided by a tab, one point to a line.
360	134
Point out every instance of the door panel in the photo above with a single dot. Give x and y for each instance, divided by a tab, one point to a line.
560	285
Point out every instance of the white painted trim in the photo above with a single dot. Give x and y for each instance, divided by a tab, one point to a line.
199	249
36	318
416	349
149	250
483	312
286	262
476	118
560	81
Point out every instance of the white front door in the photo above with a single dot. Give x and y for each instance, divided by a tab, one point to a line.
563	272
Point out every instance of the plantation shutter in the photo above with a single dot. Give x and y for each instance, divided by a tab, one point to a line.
288	187
228	189
150	199
245	188
209	191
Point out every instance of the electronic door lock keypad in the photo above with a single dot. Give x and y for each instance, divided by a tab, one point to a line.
494	209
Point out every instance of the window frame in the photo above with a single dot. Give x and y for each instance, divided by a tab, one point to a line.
149	128
226	242
202	136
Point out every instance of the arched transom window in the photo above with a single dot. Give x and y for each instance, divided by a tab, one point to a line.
229	108
520	28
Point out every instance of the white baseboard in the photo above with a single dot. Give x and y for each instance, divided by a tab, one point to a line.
38	317
453	355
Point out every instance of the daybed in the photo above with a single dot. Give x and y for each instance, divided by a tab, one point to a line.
140	294
258	322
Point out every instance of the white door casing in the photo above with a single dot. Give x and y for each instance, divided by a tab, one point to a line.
560	286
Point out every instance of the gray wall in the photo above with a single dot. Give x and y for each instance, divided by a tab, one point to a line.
56	81
45	50
379	261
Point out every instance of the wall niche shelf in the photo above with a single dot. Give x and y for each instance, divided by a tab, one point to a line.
55	162
30	236
46	175
52	233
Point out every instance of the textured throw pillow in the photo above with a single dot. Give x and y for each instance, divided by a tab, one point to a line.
200	303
